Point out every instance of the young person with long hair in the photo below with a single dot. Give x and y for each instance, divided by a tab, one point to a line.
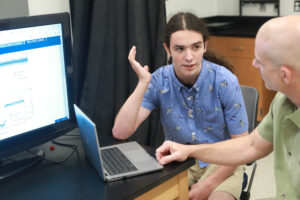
200	102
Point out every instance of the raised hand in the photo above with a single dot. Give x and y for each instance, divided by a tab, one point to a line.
142	72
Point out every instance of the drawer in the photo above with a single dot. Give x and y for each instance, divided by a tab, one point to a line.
233	46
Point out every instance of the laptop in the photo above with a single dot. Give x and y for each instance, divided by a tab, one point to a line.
113	162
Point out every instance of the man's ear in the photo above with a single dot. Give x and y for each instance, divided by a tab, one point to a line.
167	49
286	73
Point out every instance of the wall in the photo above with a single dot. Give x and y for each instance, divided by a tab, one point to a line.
231	7
287	8
37	7
13	8
202	8
228	7
20	8
205	8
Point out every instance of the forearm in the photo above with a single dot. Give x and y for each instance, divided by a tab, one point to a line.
126	120
236	151
231	152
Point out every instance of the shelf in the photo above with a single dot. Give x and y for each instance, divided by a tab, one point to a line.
262	2
259	1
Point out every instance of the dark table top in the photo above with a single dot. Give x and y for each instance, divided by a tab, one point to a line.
77	179
236	26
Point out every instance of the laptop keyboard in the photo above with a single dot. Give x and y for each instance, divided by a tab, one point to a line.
115	162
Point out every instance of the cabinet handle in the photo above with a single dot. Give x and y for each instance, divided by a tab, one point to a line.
238	48
260	111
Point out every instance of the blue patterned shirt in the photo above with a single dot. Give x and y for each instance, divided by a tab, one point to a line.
208	112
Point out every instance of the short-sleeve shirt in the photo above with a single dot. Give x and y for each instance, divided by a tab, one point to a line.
208	112
281	126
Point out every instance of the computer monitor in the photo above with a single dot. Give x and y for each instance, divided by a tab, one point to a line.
35	81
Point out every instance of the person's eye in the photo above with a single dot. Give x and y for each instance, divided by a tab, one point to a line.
179	49
196	47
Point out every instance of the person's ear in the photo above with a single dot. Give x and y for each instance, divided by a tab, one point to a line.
286	73
167	49
205	45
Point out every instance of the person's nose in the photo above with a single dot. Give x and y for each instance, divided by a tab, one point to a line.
188	56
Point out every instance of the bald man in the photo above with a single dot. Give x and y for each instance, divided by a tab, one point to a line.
277	56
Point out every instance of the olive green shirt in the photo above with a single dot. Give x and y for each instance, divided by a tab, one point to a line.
281	126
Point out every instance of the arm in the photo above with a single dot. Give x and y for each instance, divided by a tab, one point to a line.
231	152
131	114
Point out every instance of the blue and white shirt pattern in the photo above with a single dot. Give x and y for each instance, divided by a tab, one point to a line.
208	112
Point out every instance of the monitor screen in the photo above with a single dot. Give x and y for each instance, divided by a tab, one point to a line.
35	81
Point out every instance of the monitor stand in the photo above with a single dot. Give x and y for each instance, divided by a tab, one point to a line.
19	163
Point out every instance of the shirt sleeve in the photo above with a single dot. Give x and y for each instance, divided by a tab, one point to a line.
151	98
233	105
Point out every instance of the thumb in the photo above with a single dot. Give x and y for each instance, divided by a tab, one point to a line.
146	67
167	159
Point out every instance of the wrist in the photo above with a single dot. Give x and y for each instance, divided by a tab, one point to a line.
146	79
193	151
210	184
190	151
144	83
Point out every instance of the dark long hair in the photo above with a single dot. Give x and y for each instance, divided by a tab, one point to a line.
189	21
218	59
185	21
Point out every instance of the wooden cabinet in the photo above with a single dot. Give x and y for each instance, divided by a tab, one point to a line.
174	189
239	51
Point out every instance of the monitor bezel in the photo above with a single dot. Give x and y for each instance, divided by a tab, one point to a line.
31	139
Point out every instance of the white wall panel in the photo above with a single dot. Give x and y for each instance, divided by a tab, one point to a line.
202	8
39	7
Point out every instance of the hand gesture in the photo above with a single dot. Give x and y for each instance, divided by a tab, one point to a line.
171	151
142	72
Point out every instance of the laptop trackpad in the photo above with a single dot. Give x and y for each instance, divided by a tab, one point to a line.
139	156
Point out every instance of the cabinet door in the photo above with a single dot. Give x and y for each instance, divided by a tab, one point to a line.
240	53
236	47
250	76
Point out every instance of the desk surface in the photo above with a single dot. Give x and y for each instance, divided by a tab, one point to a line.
77	179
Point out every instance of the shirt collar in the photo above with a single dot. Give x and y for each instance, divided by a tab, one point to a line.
203	73
294	115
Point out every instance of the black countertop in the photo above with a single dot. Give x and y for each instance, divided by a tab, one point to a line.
76	179
236	26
